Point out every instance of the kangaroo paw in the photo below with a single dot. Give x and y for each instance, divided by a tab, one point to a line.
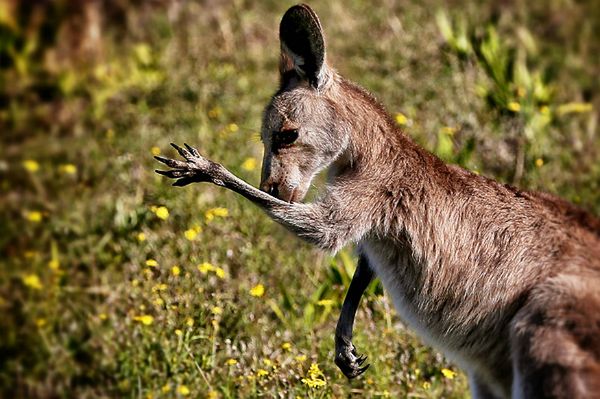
194	169
348	361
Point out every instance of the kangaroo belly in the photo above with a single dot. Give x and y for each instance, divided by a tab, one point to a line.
430	308
400	275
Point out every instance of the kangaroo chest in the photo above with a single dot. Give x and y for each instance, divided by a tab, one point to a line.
420	302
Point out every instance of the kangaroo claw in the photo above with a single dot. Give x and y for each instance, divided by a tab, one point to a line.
194	169
348	361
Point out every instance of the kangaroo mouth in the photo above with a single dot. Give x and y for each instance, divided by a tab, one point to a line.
288	194
293	196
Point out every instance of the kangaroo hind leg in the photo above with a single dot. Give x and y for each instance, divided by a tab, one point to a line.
555	341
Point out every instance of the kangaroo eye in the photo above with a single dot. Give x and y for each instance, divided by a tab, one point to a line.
285	137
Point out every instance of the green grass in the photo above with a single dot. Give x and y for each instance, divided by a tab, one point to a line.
84	315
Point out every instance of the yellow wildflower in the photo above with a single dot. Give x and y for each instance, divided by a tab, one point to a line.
220	272
216	310
249	164
212	395
314	370
267	362
189	322
449	374
314	383
216	212
67	169
31	165
539	162
315	377
54	265
544	109
300	358
141	237
34	216
178	332
32	281
41	322
231	362
183	390
151	263
166	388
401	119
102	316
144	319
161	212
158	301
205	267
232	127
175	271
286	346
326	302
159	287
426	385
262	373
258	290
190	234
155	150
514	106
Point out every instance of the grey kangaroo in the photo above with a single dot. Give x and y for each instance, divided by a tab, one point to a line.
505	282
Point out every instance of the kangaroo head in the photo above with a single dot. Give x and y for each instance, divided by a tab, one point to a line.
299	131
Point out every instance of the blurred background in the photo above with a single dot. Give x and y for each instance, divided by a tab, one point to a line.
115	284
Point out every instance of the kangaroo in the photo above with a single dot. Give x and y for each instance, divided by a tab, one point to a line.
505	282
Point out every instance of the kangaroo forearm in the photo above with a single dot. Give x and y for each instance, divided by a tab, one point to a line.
307	221
321	223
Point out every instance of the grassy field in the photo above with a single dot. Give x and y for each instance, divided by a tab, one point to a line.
115	284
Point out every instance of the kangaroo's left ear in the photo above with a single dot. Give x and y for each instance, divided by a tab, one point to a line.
302	46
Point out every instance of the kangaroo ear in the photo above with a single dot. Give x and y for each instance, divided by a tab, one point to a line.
302	46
